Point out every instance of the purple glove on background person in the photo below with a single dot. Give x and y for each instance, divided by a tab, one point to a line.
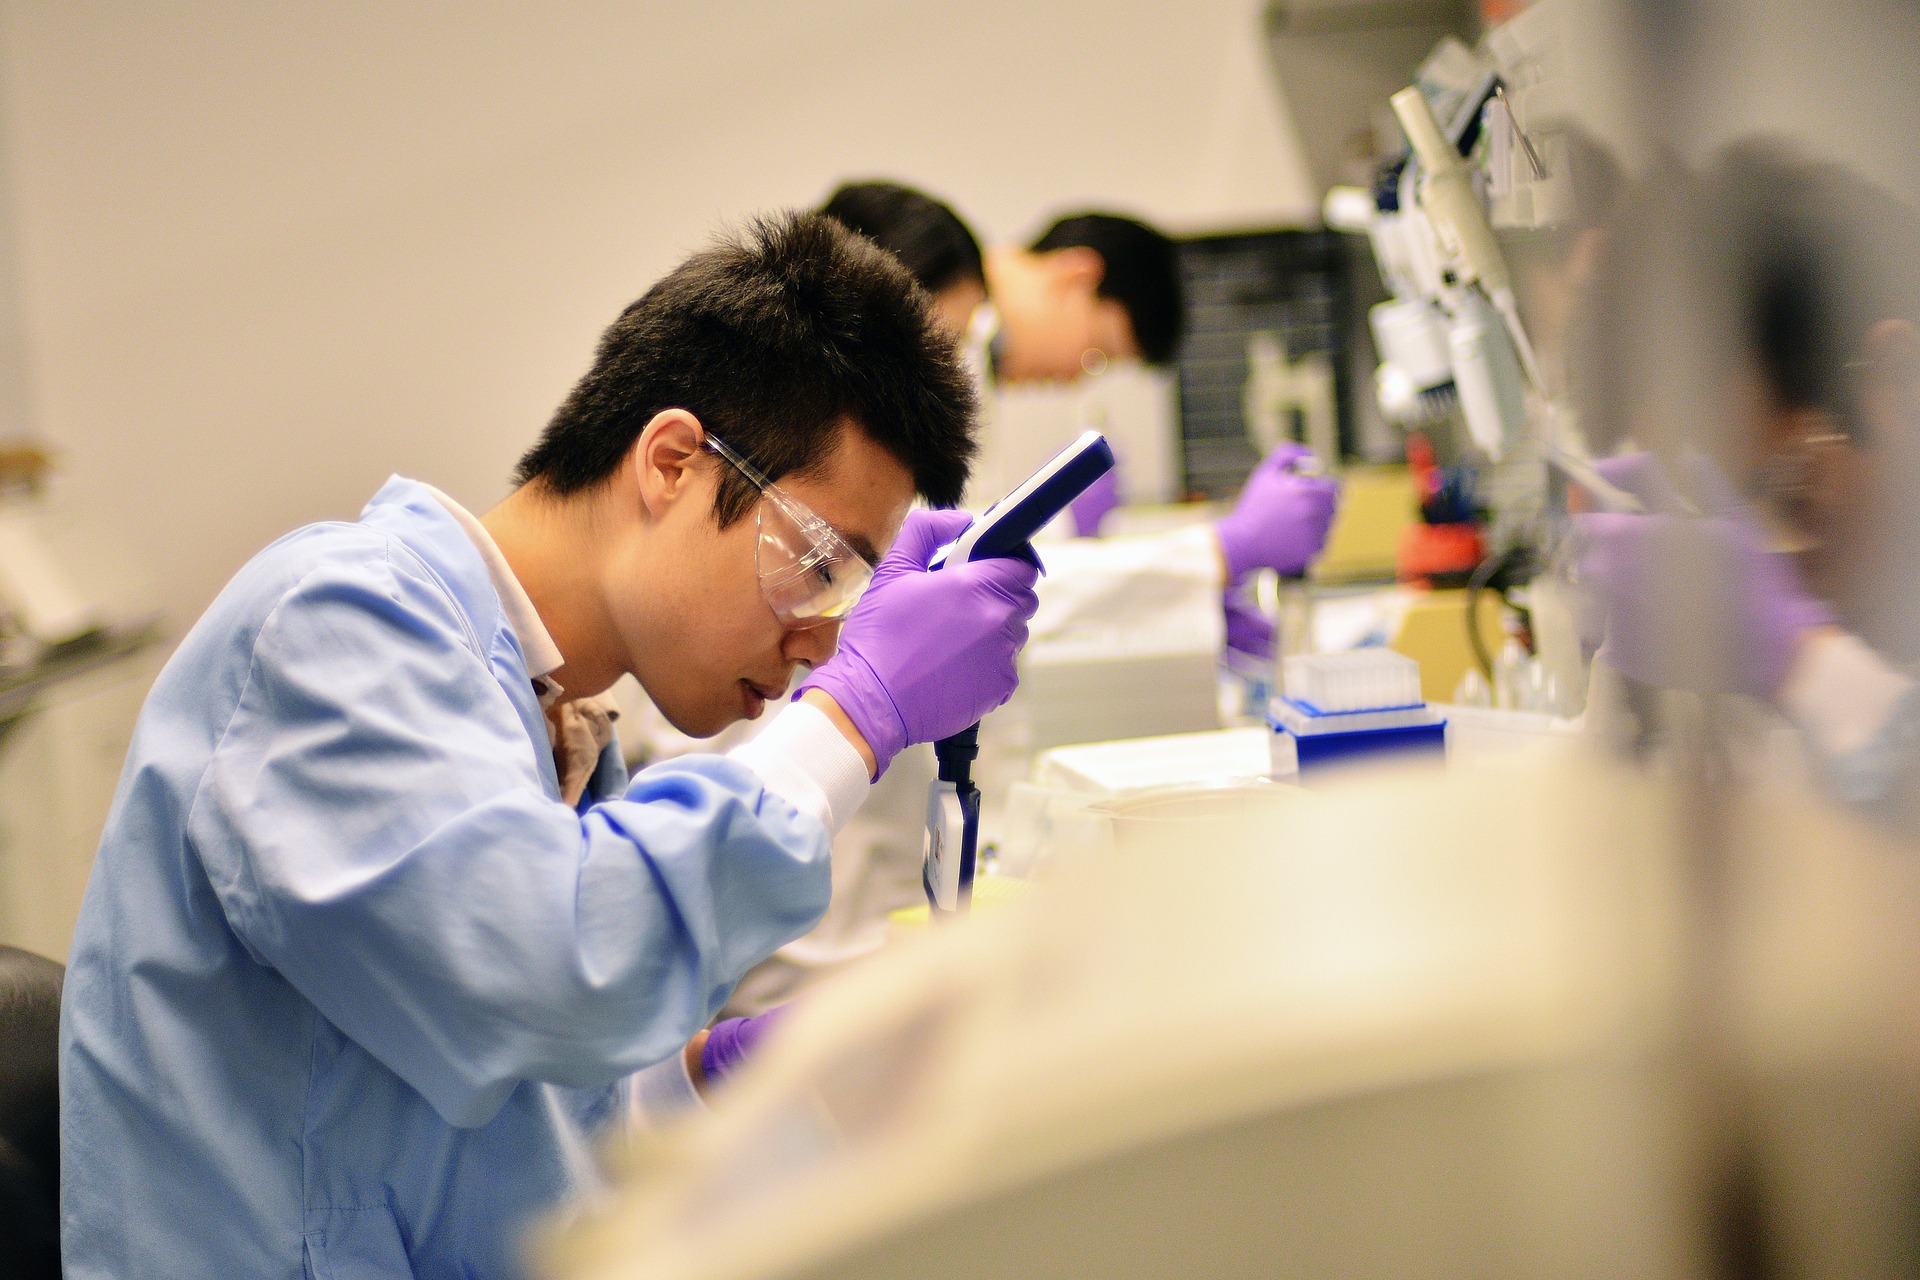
1282	517
1648	571
1250	632
732	1040
925	654
1098	498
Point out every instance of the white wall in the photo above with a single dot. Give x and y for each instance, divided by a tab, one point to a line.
270	253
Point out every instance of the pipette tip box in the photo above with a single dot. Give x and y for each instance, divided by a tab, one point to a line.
1342	708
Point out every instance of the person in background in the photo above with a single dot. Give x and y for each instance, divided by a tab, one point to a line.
929	239
1092	289
379	930
1798	495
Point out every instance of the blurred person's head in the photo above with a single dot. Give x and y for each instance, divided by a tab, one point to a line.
1766	312
928	237
1820	271
813	355
1093	288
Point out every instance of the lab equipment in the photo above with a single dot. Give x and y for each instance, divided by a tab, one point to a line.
1440	629
1166	824
1064	812
809	574
1486	374
1604	493
1005	528
1448	199
1289	400
1374	1036
1364	680
1002	531
1530	171
924	657
1110	768
1414	381
1337	708
1482	733
1077	690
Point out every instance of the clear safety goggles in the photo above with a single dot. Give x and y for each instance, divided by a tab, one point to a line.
809	574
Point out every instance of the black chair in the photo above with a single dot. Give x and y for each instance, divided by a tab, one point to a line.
29	1114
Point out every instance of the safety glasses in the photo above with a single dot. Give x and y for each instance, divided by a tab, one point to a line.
809	574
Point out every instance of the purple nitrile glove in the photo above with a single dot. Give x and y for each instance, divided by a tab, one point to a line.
731	1042
1692	602
1282	517
926	653
1098	498
1250	632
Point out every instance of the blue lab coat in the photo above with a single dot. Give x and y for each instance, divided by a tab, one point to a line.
353	990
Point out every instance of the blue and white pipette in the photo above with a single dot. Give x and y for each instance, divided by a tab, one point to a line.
1003	529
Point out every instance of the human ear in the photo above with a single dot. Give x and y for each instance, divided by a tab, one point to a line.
667	459
1078	265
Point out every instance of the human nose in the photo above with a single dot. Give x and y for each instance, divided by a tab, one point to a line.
811	645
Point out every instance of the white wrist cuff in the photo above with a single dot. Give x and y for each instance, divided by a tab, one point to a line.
804	760
1841	693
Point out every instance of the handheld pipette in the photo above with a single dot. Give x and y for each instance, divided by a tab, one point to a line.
1003	529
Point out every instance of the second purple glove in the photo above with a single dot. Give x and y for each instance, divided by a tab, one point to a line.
731	1041
925	654
1091	507
1282	518
1647	571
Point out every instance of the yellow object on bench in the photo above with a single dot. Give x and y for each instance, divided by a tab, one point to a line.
989	893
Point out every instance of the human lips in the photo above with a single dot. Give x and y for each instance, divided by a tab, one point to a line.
756	694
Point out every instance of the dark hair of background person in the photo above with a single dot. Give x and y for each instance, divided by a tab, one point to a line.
773	338
924	233
1796	260
29	1115
1816	256
1142	274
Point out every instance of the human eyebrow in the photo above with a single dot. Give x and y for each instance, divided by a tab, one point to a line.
860	544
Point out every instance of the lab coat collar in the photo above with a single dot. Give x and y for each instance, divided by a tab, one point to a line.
536	642
472	566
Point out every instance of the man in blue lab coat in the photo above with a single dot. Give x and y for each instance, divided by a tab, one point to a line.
379	929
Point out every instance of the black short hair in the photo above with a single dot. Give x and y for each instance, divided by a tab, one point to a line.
1815	256
926	234
1765	256
773	338
1143	274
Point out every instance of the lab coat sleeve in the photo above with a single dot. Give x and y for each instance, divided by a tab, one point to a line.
376	828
